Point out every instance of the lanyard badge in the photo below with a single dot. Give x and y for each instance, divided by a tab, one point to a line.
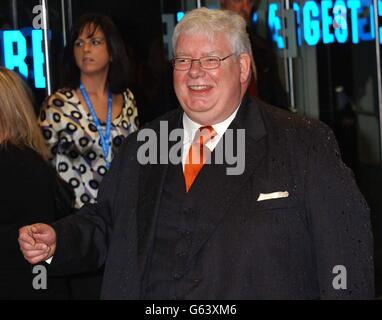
105	138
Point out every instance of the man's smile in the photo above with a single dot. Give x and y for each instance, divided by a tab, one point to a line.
200	88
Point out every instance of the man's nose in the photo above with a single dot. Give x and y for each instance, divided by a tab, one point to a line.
196	69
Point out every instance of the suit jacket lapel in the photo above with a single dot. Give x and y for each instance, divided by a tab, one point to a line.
215	187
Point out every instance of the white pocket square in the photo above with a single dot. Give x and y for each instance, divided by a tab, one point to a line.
273	195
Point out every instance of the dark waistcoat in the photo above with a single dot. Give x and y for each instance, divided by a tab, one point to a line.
177	213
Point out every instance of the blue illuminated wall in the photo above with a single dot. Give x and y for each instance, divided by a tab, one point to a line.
22	51
328	21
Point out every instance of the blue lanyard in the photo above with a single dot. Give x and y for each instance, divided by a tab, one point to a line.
105	138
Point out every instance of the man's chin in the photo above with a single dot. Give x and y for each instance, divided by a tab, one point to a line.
202	117
198	110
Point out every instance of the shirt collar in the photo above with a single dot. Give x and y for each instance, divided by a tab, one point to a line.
190	126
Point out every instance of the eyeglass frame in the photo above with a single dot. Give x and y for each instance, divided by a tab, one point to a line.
200	63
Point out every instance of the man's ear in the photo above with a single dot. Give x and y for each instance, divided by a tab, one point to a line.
245	67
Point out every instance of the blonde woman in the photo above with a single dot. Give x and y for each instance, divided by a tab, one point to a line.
27	187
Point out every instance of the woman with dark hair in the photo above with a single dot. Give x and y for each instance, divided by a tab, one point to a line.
86	121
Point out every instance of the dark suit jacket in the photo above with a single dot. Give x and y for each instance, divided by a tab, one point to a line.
242	248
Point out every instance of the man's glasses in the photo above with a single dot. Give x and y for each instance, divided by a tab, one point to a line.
209	62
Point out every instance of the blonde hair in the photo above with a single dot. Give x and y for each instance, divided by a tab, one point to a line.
18	122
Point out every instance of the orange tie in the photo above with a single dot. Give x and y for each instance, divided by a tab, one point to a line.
197	154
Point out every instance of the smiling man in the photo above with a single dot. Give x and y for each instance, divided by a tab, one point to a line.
210	78
292	225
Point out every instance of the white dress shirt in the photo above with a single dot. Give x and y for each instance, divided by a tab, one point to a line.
190	127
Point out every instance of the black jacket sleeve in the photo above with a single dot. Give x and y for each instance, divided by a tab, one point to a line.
83	238
339	221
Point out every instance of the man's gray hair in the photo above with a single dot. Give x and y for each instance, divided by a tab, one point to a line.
209	22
